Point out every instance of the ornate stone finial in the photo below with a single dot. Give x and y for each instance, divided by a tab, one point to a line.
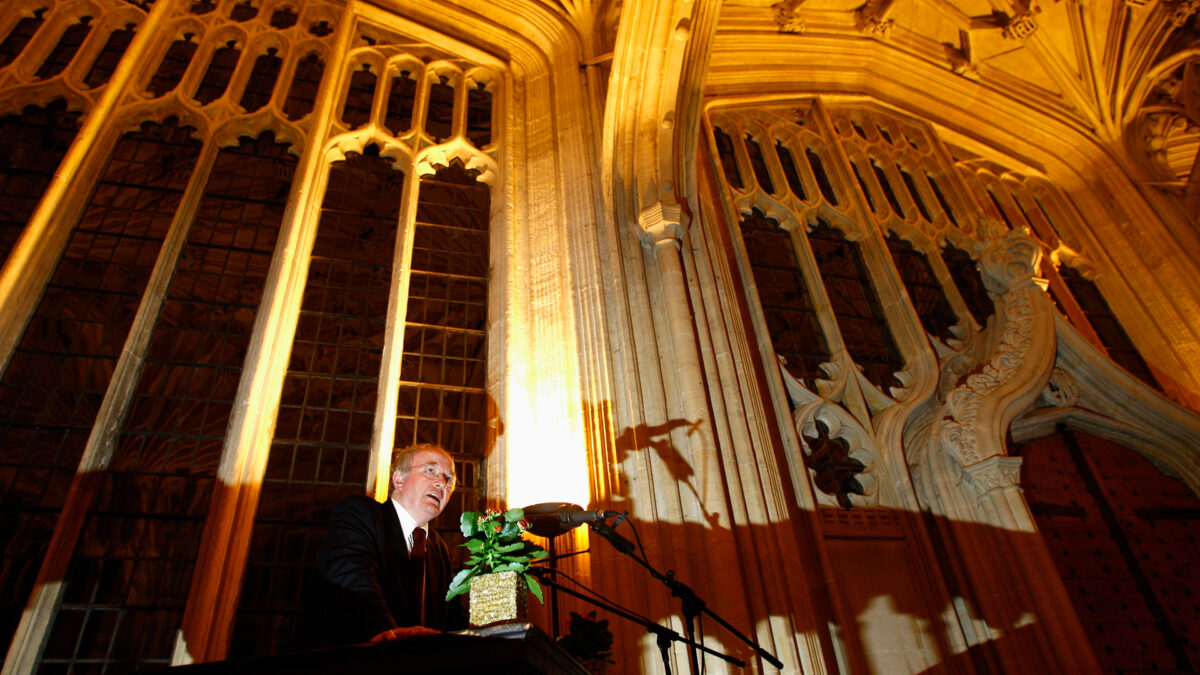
786	17
661	222
1010	261
1021	25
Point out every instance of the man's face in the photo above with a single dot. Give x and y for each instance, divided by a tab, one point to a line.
427	487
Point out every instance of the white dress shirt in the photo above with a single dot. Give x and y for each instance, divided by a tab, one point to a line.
408	524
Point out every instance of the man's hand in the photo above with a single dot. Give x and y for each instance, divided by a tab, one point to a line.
403	633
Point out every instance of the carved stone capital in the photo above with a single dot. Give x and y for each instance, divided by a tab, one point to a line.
993	473
661	223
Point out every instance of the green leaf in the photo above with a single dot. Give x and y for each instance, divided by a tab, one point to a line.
467	523
473	545
509	548
461	583
514	515
538	553
534	587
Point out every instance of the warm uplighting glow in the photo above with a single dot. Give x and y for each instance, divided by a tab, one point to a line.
547	460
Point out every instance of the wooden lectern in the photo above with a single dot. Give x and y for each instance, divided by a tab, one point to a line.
522	648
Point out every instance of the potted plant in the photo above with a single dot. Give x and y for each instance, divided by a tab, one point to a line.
497	573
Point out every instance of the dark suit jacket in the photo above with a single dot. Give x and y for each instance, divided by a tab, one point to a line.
366	582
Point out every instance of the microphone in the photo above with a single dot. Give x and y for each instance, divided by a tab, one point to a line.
620	543
554	518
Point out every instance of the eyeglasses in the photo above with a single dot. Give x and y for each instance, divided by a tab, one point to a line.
434	472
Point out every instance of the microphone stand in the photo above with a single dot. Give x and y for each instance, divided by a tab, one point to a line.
663	636
690	603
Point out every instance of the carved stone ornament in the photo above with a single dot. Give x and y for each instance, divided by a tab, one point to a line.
1020	25
845	477
993	473
661	222
1062	391
1008	262
1181	11
872	19
1007	267
786	17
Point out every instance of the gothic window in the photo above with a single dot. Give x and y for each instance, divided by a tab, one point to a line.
283	18
479	115
1112	335
357	111
156	491
888	192
941	197
860	318
999	208
31	146
725	152
243	11
911	184
321	448
790	172
65	50
173	66
303	93
262	81
442	396
19	36
818	169
53	386
156	325
400	103
758	164
787	305
862	185
924	289
220	69
440	116
110	55
966	277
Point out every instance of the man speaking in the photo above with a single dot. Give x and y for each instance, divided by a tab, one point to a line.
381	568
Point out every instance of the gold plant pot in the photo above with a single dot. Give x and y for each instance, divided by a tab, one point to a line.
497	599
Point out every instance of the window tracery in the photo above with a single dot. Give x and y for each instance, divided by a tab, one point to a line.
927	208
232	73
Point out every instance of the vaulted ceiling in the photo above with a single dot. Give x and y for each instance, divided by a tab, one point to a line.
1121	72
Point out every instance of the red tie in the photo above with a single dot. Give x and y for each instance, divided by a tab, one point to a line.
418	544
